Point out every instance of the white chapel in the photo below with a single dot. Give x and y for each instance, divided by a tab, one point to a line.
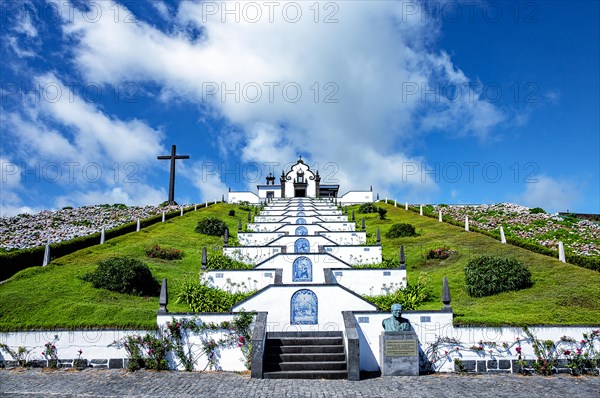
299	182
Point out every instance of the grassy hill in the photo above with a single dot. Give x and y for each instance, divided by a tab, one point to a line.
56	297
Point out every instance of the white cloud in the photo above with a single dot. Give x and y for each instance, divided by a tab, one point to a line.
66	141
130	194
14	45
206	177
551	194
24	25
366	62
11	189
91	135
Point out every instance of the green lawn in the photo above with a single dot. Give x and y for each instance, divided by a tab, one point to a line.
561	293
55	296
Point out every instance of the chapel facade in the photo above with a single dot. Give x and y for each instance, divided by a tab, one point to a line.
298	182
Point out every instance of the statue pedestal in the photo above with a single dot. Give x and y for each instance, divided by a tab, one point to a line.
399	353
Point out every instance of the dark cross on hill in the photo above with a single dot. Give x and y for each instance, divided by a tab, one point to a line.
172	157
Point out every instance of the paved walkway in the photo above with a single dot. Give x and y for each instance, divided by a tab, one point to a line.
120	383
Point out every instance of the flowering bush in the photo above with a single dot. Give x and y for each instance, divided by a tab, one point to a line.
155	251
50	354
79	363
150	351
440	253
583	356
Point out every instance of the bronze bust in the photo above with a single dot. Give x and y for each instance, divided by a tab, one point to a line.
396	323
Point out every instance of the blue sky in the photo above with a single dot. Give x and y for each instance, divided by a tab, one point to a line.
437	102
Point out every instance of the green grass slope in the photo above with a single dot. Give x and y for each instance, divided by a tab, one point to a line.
55	296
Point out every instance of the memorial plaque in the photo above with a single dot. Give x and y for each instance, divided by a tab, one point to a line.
401	348
399	353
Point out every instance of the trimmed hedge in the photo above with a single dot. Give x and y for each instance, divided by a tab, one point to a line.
400	230
124	275
588	262
14	261
486	276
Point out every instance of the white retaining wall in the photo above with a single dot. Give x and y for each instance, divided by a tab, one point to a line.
313	229
332	300
98	345
257	238
346	238
237	197
262	227
440	324
251	254
371	282
230	358
240	280
95	344
314	241
356	254
287	260
354	197
339	226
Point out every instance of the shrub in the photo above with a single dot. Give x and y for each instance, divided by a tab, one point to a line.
211	226
485	276
124	275
218	260
400	230
382	212
537	210
164	253
232	213
245	205
385	263
202	298
411	297
367	208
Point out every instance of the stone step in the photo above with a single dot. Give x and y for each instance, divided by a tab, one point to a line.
305	334
306	349
307	374
305	357
290	341
300	366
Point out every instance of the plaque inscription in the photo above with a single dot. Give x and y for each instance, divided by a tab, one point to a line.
400	348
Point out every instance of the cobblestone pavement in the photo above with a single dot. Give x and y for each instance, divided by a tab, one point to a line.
119	383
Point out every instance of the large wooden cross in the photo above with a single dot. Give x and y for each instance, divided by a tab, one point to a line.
172	157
